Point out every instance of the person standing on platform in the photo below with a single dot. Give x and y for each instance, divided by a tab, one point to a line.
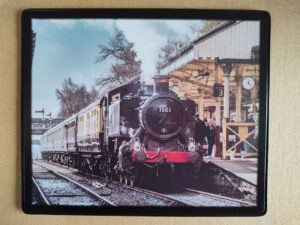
205	121
211	135
200	131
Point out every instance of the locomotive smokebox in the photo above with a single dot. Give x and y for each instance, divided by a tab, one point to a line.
161	84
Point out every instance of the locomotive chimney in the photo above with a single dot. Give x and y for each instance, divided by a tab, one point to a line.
161	84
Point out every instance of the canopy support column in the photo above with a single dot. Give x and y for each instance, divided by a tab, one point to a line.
238	98
218	100
226	72
238	95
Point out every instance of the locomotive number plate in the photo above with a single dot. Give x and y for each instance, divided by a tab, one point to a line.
164	109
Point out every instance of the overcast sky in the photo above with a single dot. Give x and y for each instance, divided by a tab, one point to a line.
68	48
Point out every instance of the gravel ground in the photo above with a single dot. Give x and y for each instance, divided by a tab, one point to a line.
59	191
116	193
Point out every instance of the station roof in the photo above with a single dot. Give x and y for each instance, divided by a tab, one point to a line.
230	40
189	47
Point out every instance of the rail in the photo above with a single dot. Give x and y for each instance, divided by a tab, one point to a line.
197	198
40	193
244	203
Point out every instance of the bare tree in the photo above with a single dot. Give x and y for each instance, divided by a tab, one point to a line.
125	65
169	50
207	26
74	97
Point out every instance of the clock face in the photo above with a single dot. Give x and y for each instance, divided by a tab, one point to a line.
248	83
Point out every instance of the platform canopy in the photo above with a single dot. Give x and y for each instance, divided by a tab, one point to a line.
196	68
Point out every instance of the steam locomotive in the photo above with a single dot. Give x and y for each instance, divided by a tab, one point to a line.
132	133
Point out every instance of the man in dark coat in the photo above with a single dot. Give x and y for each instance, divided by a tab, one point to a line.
211	135
200	131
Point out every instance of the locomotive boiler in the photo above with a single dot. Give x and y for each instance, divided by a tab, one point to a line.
135	133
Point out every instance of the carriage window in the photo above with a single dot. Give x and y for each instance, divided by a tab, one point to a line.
97	119
81	125
88	122
78	124
92	122
82	132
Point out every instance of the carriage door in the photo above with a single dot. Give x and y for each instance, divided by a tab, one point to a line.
114	120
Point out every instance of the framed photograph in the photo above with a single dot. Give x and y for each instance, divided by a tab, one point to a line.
145	111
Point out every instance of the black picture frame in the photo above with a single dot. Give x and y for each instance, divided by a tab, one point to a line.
30	14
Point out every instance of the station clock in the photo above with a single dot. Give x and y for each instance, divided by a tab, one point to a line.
248	83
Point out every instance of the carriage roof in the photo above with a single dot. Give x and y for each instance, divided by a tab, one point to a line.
60	125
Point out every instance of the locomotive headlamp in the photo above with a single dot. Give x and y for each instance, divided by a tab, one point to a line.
137	145
191	145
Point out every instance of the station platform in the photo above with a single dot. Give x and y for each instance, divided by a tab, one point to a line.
243	168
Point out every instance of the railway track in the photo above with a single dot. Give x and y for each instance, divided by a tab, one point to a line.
53	188
116	193
189	197
123	195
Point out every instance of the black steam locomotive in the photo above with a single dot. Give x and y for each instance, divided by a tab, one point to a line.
130	134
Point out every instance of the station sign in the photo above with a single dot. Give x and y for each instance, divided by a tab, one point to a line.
39	125
218	90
